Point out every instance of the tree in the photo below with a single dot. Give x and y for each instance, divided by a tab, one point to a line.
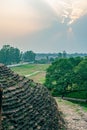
51	60
16	55
4	54
29	56
81	74
55	80
9	55
59	55
67	75
75	61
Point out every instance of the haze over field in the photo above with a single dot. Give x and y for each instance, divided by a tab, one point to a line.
44	25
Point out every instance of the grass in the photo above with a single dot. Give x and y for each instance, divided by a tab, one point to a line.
39	78
74	104
82	105
30	69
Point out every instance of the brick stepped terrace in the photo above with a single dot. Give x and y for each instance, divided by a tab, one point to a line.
25	104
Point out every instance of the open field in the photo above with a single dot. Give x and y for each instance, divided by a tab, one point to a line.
36	72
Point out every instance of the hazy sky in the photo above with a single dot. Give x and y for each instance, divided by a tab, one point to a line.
44	25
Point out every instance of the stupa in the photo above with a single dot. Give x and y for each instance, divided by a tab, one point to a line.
25	105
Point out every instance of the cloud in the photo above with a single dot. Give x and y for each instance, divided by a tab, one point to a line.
68	10
20	17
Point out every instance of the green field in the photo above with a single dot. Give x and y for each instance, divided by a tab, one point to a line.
36	72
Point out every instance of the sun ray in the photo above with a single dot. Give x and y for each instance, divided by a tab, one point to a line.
68	9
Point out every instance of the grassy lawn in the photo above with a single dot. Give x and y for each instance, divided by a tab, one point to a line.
30	69
39	78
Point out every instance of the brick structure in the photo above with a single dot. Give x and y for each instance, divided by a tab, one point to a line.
25	104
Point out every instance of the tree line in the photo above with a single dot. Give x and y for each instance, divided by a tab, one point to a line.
67	75
10	55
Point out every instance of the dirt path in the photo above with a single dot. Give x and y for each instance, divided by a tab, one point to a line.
75	117
36	72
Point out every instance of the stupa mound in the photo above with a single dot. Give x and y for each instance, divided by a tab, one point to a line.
25	104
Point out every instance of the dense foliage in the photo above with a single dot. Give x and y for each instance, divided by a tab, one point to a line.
10	55
66	75
29	56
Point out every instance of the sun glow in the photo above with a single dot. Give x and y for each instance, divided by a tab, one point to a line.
20	17
68	9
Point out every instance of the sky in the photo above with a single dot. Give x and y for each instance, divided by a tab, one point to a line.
47	26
